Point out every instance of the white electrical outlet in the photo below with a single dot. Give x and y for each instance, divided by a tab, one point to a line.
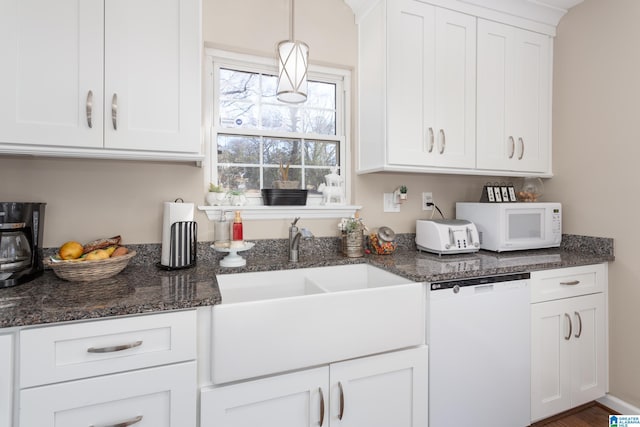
390	204
427	201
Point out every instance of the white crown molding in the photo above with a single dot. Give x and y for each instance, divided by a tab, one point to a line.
536	15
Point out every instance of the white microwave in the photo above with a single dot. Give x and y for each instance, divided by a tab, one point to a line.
514	226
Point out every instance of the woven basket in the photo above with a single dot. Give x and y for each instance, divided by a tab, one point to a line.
88	271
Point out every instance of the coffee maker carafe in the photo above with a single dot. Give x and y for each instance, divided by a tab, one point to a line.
21	232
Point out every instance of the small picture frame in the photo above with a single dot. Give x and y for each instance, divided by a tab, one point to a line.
497	194
489	191
512	194
505	193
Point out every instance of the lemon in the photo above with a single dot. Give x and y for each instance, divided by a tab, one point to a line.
70	250
97	254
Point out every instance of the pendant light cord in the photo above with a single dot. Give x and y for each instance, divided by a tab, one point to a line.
291	13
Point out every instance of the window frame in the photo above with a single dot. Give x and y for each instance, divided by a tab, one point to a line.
341	77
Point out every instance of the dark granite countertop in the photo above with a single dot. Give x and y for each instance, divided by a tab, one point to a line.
144	288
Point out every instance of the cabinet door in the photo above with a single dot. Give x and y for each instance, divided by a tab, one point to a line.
291	400
430	86
154	397
152	75
568	365
550	359
6	380
381	391
514	70
52	73
589	349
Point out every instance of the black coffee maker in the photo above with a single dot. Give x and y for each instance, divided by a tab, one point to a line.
21	230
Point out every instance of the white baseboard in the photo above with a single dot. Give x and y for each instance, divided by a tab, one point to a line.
619	405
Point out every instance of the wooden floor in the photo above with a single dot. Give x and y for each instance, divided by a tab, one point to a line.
589	415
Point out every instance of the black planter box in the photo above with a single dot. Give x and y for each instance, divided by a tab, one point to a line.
282	197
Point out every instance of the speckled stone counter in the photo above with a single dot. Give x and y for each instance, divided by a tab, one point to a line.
144	288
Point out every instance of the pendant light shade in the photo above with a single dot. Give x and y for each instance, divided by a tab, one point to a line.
293	62
293	59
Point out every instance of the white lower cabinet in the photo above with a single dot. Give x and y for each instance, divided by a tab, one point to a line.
569	345
377	391
155	397
6	380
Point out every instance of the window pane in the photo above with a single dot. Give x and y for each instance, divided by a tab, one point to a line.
321	95
282	151
238	149
239	93
239	177
319	121
315	177
283	118
320	153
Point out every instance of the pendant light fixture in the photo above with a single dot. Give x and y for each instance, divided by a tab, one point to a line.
293	56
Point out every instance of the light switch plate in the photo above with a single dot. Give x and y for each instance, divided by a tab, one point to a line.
390	204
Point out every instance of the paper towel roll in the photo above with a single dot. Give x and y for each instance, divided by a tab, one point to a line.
173	212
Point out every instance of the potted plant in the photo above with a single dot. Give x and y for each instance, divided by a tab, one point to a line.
237	197
216	195
283	182
403	192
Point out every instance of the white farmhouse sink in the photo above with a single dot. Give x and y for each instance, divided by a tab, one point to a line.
278	321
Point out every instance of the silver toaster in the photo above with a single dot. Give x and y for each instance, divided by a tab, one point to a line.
447	236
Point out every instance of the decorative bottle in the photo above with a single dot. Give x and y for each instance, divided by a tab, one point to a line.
237	228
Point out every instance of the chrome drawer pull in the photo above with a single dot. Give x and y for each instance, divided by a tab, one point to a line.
341	414
568	337
431	140
577	335
321	406
114	111
570	283
513	147
89	108
131	422
114	348
521	141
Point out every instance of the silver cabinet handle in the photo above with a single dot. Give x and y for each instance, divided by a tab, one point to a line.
114	111
512	144
521	141
321	407
124	423
341	414
570	283
114	348
431	140
568	337
89	108
443	138
577	335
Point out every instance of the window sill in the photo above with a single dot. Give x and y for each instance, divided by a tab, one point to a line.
283	212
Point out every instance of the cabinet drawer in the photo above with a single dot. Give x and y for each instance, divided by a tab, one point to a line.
80	350
568	282
155	397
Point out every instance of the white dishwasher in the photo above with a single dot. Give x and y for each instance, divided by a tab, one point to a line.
478	334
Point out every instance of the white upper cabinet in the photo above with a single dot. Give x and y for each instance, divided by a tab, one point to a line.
417	88
514	98
451	86
52	72
101	78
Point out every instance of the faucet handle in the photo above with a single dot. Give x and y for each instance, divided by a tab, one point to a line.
295	220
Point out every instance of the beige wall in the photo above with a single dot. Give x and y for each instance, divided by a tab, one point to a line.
87	199
596	152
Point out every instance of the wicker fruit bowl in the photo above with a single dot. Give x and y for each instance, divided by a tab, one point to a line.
88	271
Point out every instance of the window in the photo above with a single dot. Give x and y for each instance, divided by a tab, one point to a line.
254	138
